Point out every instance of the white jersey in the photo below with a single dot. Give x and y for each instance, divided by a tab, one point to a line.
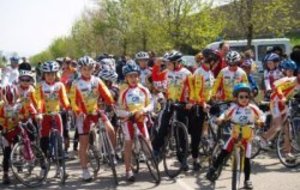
144	74
9	76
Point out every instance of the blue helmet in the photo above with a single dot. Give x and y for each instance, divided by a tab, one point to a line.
271	57
241	87
288	65
130	67
14	59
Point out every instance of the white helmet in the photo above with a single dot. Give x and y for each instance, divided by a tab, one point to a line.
108	75
142	55
86	61
50	66
233	57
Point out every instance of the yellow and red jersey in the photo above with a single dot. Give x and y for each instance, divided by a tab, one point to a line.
226	80
51	97
285	87
27	96
10	115
85	93
200	85
177	85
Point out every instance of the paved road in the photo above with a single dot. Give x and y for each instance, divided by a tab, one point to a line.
268	174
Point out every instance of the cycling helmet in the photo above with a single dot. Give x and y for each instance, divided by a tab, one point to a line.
14	59
25	73
59	60
247	63
210	55
288	65
165	57
86	61
174	56
50	66
271	57
241	87
10	94
130	67
108	75
233	57
141	55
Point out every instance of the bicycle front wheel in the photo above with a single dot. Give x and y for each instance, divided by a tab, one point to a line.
30	172
176	150
94	155
236	171
60	157
150	160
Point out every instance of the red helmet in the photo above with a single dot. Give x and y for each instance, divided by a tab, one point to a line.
9	94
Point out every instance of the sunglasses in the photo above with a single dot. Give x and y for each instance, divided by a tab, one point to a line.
243	97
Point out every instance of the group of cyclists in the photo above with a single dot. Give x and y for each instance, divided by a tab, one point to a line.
146	85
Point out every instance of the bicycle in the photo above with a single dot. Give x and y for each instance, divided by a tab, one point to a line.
56	151
290	130
142	151
27	159
175	148
101	147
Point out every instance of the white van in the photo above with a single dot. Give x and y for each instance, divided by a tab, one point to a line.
259	47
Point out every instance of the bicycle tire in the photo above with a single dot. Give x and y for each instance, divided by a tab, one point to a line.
150	160
174	142
207	147
111	156
280	152
135	163
215	152
60	157
94	156
256	148
235	172
39	160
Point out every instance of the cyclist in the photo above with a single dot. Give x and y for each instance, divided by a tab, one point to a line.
134	102
11	112
85	93
51	98
200	83
10	74
229	77
247	67
142	59
242	112
272	72
285	88
177	91
159	73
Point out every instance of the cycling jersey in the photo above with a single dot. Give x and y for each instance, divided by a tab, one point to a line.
177	85
85	93
201	83
226	80
50	97
242	115
159	78
131	100
270	77
9	76
27	97
144	74
67	77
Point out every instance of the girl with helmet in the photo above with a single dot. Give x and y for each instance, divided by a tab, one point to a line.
241	112
284	89
134	102
272	72
229	77
142	59
84	95
51	98
11	112
288	67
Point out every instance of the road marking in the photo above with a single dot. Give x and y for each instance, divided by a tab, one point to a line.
184	185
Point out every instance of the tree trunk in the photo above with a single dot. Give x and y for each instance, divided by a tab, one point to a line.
249	36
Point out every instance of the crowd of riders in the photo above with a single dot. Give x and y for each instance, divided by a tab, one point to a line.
133	87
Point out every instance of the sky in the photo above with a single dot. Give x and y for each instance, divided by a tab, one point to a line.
29	26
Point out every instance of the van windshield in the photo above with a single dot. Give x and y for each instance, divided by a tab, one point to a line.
262	50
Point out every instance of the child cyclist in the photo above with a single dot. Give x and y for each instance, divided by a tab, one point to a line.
51	99
85	93
134	102
242	112
11	112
